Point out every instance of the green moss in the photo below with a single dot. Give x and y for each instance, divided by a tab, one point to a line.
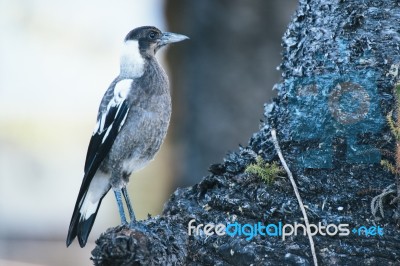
394	128
266	171
397	91
389	167
393	168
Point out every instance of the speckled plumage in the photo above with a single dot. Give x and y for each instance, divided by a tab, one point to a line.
131	125
145	127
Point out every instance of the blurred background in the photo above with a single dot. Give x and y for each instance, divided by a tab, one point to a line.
57	58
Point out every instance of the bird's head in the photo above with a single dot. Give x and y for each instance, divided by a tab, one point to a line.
141	44
150	39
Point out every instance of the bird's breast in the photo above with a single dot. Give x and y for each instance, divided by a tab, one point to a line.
143	132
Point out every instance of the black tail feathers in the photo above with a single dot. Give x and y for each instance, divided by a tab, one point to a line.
80	226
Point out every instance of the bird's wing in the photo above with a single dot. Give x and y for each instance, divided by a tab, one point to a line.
113	112
112	115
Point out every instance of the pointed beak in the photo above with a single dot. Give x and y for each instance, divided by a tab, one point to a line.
169	37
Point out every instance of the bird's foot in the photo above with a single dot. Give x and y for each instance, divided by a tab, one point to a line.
124	222
132	223
138	226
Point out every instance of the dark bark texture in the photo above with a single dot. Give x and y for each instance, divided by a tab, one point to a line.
340	63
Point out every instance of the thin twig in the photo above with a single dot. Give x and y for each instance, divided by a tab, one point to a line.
296	191
377	201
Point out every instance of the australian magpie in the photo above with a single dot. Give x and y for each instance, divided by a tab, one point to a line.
132	122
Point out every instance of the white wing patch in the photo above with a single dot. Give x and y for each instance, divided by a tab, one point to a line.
121	91
100	124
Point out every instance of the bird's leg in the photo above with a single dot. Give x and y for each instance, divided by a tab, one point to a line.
128	204
118	197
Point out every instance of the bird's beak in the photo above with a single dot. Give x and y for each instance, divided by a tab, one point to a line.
169	37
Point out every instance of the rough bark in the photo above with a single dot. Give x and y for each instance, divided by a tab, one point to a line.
339	66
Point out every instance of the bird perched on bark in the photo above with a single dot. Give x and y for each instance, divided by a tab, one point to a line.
132	122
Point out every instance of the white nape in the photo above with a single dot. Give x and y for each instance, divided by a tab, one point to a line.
132	62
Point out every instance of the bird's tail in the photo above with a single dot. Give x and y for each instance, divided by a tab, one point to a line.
85	211
81	225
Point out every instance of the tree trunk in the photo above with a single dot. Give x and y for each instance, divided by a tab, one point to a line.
340	64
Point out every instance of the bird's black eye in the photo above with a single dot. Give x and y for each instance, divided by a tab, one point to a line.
152	35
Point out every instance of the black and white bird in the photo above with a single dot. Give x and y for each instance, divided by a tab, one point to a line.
132	122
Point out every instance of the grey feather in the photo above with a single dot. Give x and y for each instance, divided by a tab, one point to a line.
145	127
